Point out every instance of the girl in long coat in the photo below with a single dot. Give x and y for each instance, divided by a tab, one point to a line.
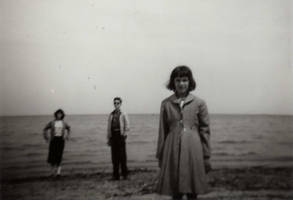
183	148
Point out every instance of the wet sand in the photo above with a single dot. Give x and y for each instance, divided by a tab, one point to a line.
226	183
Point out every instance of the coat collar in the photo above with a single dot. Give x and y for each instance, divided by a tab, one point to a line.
190	97
116	111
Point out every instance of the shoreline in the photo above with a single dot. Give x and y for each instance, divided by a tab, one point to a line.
106	168
231	183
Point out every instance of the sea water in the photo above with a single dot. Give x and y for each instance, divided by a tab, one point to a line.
236	140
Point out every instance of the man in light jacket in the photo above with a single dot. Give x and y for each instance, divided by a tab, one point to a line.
118	126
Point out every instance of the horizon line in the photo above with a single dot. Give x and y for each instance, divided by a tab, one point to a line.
236	114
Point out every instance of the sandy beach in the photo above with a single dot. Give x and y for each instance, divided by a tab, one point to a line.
226	183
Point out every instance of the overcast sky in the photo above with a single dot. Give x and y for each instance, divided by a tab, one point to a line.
78	55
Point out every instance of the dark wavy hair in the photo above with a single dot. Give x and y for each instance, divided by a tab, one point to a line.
117	99
59	111
181	71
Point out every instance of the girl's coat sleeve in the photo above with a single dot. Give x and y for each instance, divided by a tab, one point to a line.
163	131
204	129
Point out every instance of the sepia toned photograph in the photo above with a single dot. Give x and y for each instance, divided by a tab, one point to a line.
146	100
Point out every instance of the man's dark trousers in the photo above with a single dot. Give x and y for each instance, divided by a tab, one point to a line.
118	150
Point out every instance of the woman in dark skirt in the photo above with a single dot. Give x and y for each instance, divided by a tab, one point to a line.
59	131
